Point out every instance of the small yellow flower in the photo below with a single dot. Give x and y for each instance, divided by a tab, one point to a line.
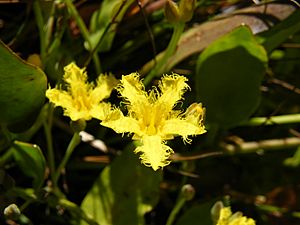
152	119
226	218
82	100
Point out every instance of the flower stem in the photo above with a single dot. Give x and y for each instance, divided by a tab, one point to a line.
85	33
40	23
6	157
50	152
73	143
282	119
179	204
265	145
159	67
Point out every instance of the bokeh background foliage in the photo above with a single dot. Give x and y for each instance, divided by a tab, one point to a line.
242	60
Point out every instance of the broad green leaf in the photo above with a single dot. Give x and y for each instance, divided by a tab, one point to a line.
102	21
272	38
22	88
123	192
31	161
197	214
228	77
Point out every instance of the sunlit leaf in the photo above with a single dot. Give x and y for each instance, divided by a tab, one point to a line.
22	89
228	77
123	192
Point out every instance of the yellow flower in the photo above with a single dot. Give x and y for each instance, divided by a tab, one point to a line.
152	119
82	100
226	218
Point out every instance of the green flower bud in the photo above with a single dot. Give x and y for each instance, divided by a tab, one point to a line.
188	192
172	11
215	211
186	9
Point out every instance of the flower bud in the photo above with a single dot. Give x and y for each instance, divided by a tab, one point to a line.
12	212
186	9
172	12
215	211
35	59
188	192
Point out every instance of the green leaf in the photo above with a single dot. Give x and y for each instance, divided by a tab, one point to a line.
123	192
228	77
102	21
272	38
197	214
22	88
31	161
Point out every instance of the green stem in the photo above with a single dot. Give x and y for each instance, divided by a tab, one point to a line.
85	33
49	26
5	157
159	67
179	204
272	209
40	23
73	143
283	119
50	150
271	144
72	207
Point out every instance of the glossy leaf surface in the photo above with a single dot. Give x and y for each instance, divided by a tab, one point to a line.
228	77
22	88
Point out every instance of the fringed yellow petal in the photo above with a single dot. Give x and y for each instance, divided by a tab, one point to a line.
225	214
172	88
120	123
76	79
74	109
132	90
226	218
153	152
182	127
101	110
190	123
59	97
103	89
